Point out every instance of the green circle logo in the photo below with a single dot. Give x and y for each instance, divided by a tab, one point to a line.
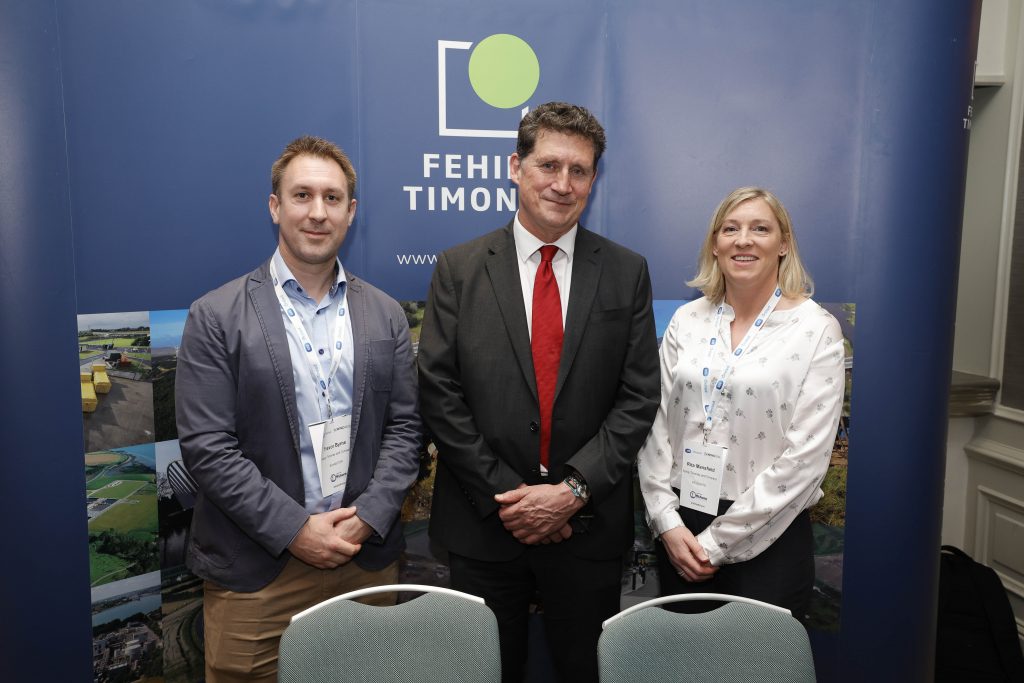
504	70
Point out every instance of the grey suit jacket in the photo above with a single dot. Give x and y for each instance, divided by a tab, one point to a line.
479	396
238	428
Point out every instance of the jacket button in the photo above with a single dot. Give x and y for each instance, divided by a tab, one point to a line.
534	426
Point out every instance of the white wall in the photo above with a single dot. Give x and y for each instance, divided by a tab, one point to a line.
984	495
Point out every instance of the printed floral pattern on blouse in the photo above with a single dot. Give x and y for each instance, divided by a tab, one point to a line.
778	417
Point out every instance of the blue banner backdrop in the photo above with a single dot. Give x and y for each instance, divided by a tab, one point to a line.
170	115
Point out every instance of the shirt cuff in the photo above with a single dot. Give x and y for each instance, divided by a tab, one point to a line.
666	521
715	554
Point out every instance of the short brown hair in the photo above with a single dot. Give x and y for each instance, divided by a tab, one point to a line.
315	147
560	117
794	280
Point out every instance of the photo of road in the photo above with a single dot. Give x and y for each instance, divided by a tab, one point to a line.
182	608
181	590
119	344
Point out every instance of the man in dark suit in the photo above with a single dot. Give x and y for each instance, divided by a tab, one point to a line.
539	381
297	417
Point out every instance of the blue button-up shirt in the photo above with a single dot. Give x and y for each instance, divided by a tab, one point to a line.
318	319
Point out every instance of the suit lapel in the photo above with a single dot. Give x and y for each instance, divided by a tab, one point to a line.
503	271
586	273
268	312
360	351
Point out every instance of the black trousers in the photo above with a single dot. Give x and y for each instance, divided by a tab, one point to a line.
577	595
782	575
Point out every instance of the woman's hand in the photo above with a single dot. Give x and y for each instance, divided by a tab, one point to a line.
687	555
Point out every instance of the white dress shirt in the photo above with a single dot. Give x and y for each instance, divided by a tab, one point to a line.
317	318
778	419
528	250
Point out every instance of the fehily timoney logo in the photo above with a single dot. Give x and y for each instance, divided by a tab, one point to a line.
482	91
503	71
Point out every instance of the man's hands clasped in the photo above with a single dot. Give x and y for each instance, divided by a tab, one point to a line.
539	513
330	539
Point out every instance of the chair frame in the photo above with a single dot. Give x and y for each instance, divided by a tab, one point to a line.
687	597
392	588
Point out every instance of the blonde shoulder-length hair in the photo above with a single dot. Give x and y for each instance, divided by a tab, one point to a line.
794	279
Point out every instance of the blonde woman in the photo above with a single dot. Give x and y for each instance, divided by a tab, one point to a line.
752	378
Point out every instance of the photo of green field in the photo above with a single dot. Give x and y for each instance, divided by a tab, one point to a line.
119	340
828	516
110	341
121	503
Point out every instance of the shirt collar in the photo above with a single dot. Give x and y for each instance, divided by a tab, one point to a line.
288	279
527	244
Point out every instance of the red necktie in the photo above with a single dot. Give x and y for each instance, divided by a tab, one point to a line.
546	343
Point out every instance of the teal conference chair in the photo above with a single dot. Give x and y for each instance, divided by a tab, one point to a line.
443	635
744	640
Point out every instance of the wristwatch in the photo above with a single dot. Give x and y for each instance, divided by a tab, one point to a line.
578	486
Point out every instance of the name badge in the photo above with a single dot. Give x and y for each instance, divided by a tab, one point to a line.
332	450
700	483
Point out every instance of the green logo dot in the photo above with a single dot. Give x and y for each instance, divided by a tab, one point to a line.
504	70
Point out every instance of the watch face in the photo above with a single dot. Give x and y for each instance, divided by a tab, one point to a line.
578	487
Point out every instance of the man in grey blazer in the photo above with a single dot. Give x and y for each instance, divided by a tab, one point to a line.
297	417
534	494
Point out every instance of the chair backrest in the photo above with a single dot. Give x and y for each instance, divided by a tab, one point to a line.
443	635
743	640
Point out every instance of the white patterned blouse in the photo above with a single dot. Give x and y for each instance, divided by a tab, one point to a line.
778	419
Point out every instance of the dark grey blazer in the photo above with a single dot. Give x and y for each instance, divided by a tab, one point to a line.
479	397
239	430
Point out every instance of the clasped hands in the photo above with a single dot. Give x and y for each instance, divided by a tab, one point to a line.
330	539
687	555
539	513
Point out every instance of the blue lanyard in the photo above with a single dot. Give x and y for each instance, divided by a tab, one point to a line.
706	393
316	372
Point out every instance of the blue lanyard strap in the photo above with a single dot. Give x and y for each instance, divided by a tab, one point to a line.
315	370
708	398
